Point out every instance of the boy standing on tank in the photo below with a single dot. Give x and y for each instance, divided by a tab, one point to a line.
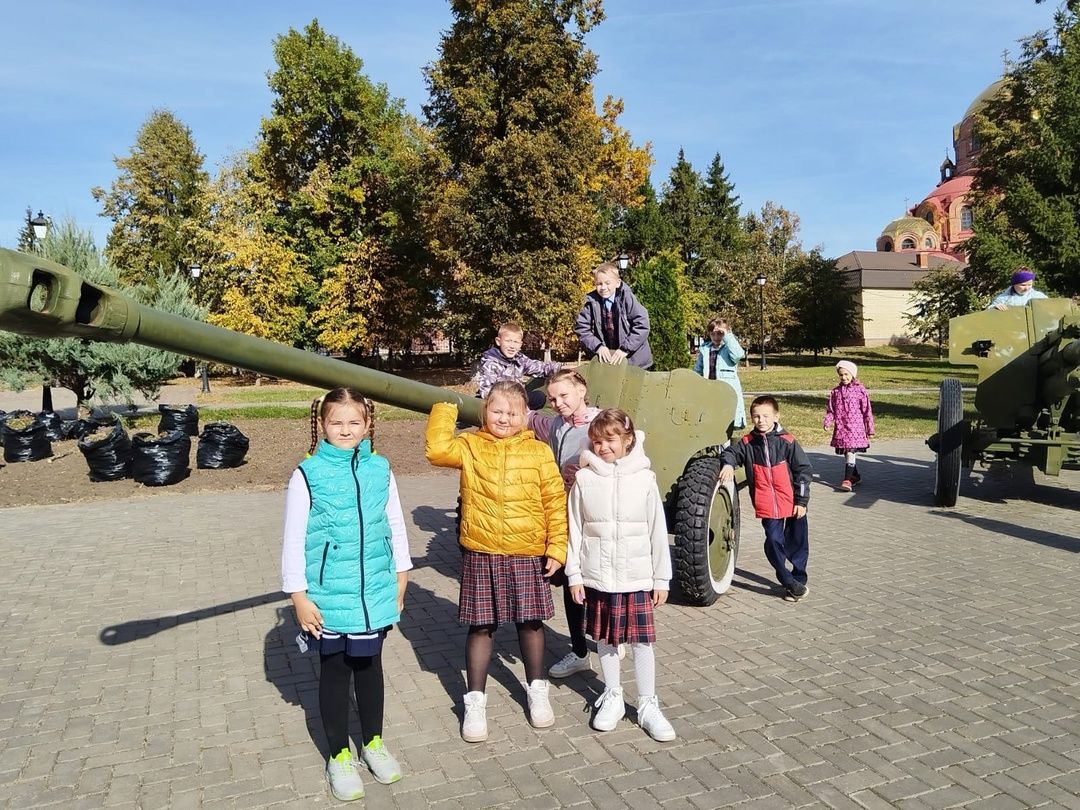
778	477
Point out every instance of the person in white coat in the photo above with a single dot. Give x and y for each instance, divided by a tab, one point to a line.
618	564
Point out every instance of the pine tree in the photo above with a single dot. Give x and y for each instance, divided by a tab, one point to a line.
518	139
721	211
26	238
1026	204
683	206
158	202
660	284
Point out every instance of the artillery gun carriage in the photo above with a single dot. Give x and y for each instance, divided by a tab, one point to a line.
684	416
1026	399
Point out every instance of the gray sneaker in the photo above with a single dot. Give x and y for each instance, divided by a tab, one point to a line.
380	762
570	664
344	778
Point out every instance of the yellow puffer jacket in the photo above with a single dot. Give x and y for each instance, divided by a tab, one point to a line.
512	496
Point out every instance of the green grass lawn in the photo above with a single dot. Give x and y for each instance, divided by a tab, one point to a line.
885	371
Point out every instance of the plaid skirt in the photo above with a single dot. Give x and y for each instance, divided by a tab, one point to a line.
619	618
496	589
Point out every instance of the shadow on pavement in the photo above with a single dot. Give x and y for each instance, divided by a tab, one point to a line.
296	675
1063	542
144	628
438	641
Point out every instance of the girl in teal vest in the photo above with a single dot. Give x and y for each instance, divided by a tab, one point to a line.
344	562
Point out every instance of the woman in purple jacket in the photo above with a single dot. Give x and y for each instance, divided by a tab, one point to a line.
849	412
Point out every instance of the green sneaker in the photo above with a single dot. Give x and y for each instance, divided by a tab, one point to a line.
344	778
380	762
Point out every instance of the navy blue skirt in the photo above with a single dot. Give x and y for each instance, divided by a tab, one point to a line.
356	645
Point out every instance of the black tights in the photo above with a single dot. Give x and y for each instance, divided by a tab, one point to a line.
478	644
367	678
575	620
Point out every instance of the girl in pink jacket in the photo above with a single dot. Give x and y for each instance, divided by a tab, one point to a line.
852	420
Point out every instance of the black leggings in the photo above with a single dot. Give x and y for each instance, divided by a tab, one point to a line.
478	644
575	620
367	677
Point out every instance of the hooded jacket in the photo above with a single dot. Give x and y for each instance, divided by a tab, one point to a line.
777	471
618	535
849	408
631	326
512	496
566	439
495	366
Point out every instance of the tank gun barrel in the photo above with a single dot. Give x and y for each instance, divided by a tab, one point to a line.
44	299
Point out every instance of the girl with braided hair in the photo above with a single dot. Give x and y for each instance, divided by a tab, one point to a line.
345	562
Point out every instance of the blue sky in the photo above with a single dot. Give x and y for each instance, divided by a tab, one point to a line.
840	110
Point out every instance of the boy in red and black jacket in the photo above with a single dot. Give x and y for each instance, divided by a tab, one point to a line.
778	477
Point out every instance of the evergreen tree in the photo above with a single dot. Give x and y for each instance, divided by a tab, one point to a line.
108	370
821	303
646	232
938	296
26	238
518	140
660	284
158	202
683	207
721	211
338	159
1026	204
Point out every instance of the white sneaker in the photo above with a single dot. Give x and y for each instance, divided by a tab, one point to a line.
474	727
540	712
382	764
652	720
344	778
569	664
610	709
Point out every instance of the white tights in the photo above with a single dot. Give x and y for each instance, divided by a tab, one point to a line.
644	667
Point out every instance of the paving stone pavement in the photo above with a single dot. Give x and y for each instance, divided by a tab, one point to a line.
149	662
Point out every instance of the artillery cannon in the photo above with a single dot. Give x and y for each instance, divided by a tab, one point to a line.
1026	399
684	415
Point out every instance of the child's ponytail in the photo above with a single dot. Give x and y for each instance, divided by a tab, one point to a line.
316	408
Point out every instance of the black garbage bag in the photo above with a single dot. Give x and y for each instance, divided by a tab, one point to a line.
54	425
176	417
160	460
107	450
221	445
77	428
25	438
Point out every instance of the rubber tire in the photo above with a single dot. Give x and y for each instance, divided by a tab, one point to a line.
950	431
702	505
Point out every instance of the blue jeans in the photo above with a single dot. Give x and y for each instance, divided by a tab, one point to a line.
787	540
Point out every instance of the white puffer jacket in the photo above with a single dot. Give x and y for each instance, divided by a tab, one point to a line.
618	534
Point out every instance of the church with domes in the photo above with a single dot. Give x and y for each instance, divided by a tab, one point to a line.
930	235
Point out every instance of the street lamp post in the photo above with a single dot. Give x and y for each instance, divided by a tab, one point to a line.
196	274
622	261
39	229
760	281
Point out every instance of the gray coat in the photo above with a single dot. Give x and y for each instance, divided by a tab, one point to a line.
632	323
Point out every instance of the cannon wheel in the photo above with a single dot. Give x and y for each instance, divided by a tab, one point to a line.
950	431
706	529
